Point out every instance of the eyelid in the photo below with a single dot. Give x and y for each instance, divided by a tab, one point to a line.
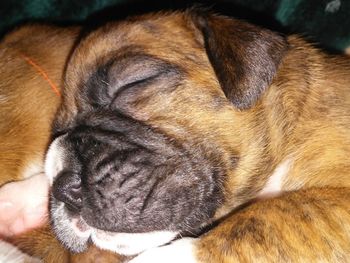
124	75
136	82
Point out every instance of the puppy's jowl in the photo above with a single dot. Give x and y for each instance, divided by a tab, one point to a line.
171	122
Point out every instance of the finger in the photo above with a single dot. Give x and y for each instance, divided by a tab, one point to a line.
23	205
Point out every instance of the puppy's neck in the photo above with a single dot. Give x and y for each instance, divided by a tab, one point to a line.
303	107
285	143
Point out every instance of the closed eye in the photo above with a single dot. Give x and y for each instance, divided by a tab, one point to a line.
128	73
143	81
136	70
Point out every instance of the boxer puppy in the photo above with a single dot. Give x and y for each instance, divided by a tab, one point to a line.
197	125
32	62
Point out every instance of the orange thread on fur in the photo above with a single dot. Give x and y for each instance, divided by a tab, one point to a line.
42	73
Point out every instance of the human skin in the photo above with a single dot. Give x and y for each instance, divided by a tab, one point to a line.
23	205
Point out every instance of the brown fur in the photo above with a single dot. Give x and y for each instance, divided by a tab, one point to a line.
27	107
303	115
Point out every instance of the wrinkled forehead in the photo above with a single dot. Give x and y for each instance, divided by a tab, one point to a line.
170	39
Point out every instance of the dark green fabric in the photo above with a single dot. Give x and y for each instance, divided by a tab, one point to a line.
326	22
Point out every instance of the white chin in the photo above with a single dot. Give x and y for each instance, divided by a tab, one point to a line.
131	244
75	233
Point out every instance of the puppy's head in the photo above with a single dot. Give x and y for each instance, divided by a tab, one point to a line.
144	143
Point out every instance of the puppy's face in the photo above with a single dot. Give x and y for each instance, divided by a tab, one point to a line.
143	143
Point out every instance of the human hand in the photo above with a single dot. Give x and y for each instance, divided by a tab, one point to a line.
23	205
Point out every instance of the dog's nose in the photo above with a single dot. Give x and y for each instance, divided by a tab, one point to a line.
67	188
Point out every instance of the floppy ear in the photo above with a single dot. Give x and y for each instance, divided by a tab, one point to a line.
245	57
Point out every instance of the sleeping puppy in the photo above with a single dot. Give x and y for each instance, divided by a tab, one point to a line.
196	125
32	62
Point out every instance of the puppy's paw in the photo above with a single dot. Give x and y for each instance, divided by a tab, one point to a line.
181	250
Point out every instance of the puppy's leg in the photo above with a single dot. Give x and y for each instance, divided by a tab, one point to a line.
11	254
309	225
42	244
305	226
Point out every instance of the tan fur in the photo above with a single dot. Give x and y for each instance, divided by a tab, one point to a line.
27	107
303	116
23	92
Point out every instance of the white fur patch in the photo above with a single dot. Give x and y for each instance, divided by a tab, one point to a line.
54	160
10	254
131	244
80	228
273	186
179	251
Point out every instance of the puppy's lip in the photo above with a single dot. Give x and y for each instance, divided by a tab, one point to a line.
80	227
131	243
121	243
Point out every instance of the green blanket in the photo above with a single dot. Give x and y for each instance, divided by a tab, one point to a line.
326	22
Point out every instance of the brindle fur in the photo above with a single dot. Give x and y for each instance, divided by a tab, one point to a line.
299	111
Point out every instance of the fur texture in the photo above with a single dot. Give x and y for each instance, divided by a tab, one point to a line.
209	108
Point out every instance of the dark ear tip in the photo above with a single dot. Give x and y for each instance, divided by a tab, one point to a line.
243	104
245	57
199	15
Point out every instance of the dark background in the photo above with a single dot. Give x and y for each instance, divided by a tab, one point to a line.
324	22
